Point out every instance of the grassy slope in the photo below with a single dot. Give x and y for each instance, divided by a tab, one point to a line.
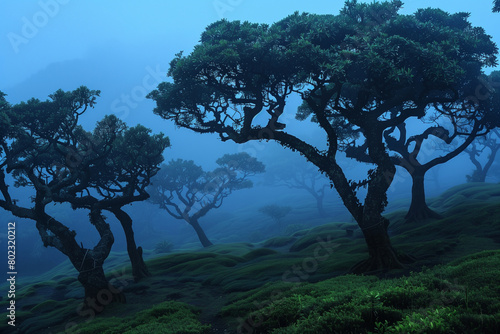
287	281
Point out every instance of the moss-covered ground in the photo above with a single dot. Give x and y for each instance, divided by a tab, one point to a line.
298	283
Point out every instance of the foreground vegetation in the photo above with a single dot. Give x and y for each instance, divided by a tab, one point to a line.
297	283
462	297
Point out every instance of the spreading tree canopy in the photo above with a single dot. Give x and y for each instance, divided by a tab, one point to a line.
451	127
119	176
44	148
358	66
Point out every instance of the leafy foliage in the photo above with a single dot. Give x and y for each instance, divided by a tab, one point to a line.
46	149
440	300
188	192
167	317
181	185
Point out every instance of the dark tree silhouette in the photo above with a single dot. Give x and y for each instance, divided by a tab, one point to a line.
358	66
496	6
492	140
478	127
461	122
188	193
45	149
121	177
409	147
491	143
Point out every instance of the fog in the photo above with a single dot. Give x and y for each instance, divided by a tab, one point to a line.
123	49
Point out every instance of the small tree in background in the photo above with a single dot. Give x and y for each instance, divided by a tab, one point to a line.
188	192
305	177
409	153
491	143
164	247
276	212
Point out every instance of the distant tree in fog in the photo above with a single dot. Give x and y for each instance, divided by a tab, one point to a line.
354	67
187	192
276	212
305	178
485	146
44	149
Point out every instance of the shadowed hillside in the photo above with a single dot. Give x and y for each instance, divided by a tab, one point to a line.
298	283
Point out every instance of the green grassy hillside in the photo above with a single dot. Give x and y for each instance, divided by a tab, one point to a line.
298	283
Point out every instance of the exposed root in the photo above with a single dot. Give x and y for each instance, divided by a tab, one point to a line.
414	215
382	263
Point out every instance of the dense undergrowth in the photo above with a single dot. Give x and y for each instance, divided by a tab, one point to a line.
297	283
461	297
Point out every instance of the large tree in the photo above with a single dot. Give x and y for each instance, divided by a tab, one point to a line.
490	96
44	149
120	177
188	193
358	65
455	133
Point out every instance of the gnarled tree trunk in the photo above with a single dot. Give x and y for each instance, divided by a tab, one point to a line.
319	205
98	291
88	262
199	231
382	256
381	253
418	207
139	268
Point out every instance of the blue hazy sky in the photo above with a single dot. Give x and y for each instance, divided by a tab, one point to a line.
124	47
36	34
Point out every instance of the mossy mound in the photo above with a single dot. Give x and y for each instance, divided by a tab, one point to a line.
278	242
462	297
468	193
314	237
260	252
168	317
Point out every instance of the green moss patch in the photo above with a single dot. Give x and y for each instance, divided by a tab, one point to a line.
167	317
460	297
260	252
298	283
278	242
